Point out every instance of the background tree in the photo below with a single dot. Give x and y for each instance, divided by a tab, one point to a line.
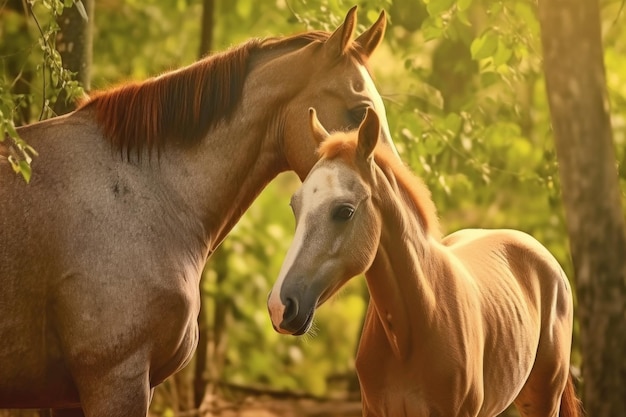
579	104
74	41
22	94
15	19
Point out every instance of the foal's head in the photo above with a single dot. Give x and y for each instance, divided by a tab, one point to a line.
337	226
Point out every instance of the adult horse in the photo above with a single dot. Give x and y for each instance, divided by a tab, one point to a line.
101	254
462	326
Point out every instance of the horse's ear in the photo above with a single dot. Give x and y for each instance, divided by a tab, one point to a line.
340	39
369	131
372	37
319	132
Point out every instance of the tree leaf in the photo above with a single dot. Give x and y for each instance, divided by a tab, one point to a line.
463	5
81	10
484	46
502	55
436	7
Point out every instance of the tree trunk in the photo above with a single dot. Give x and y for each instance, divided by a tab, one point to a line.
74	43
15	57
212	343
206	37
579	106
201	369
200	365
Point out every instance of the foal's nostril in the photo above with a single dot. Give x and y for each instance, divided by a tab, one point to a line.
291	310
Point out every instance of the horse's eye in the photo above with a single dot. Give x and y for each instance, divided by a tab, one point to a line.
343	213
357	114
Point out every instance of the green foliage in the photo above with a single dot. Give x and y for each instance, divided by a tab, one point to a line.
19	54
20	154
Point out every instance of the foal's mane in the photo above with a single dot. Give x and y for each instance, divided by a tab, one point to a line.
185	104
343	145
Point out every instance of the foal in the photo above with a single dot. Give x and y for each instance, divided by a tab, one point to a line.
459	326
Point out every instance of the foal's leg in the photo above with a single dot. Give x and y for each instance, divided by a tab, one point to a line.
541	394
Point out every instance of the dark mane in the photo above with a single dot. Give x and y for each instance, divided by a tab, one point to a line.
183	105
343	145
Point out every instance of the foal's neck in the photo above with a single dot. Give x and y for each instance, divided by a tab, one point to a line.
401	280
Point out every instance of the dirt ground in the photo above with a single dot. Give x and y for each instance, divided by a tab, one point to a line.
266	406
260	406
273	407
263	406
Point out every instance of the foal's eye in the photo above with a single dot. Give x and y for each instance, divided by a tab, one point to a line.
343	213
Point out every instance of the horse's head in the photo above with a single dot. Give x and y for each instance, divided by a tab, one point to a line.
331	76
337	226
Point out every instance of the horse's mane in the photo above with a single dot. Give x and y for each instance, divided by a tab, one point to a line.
343	145
184	104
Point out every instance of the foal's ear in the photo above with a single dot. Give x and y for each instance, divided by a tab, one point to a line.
372	37
340	39
369	130
319	132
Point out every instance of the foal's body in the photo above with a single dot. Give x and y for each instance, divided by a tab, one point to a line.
459	326
455	328
101	254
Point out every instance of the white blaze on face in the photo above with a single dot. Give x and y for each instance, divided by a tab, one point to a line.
321	185
379	106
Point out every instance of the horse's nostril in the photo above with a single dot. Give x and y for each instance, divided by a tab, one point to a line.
291	310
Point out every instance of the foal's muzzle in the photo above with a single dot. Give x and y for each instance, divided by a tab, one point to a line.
289	317
295	321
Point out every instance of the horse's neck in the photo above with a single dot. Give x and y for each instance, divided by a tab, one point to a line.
226	172
402	279
220	178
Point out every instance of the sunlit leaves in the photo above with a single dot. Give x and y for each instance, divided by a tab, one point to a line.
463	5
485	45
436	7
19	154
433	28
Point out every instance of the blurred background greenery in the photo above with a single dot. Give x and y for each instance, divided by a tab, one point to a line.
464	91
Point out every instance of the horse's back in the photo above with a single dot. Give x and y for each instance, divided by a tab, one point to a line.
29	254
34	214
86	282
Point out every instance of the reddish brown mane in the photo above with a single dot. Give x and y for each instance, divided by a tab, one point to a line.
343	146
183	105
